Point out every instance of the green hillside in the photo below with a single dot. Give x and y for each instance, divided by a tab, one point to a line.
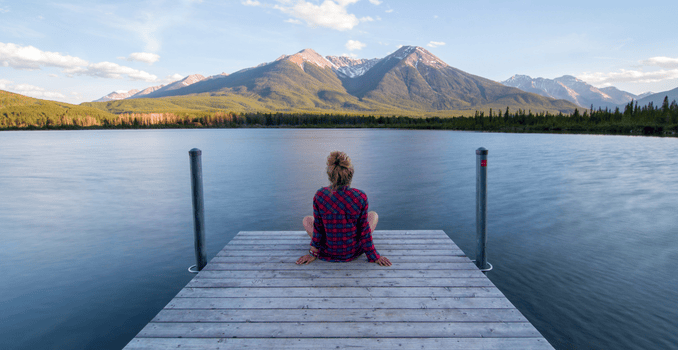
21	111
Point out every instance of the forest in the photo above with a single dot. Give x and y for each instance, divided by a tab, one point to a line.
633	119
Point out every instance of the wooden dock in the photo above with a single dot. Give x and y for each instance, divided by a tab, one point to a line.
252	295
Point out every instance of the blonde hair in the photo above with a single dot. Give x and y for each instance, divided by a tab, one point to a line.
339	170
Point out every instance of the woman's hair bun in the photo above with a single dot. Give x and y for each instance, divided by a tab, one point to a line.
339	169
338	158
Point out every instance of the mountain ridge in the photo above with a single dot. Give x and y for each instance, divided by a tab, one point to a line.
409	79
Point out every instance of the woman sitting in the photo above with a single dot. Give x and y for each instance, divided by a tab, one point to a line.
341	227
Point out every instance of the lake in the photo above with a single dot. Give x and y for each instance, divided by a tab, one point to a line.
96	229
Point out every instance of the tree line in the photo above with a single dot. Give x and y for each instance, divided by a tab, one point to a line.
634	119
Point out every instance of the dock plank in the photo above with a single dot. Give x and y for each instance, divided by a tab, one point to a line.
332	343
253	295
345	315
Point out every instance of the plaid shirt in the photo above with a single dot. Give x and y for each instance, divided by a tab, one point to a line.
340	227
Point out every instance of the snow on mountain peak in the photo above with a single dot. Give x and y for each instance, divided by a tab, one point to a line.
308	55
348	67
414	55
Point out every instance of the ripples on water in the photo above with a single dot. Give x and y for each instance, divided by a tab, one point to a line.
96	231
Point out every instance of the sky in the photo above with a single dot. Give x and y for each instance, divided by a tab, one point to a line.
79	51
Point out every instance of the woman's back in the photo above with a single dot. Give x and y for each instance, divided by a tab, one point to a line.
343	231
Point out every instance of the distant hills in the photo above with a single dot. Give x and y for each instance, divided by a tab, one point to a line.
409	81
577	91
571	89
153	90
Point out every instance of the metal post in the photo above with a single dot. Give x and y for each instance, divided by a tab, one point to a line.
481	210
198	209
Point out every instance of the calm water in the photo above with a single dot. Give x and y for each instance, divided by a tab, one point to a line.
96	232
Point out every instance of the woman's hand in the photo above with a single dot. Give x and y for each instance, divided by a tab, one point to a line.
306	259
383	261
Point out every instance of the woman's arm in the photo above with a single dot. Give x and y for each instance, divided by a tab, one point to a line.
318	229
316	241
366	234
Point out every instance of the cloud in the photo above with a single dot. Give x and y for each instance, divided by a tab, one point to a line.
435	44
663	62
174	77
353	45
35	91
367	19
628	76
669	71
4	84
389	11
149	58
329	14
376	2
293	21
4	10
251	3
111	70
29	57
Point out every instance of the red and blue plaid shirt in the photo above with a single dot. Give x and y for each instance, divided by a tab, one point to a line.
340	228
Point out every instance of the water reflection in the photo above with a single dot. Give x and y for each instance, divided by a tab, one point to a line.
96	231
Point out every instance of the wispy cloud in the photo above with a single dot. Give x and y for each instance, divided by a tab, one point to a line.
435	44
389	11
376	2
31	58
147	22
4	10
147	57
293	21
4	84
111	70
628	76
669	71
663	62
37	92
251	3
329	14
30	90
353	45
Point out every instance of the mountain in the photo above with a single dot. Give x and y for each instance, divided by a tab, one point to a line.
157	91
117	95
658	98
572	89
146	91
410	79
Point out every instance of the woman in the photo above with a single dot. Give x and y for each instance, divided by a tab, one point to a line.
341	227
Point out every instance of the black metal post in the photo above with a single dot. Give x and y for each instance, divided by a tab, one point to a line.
198	209
481	209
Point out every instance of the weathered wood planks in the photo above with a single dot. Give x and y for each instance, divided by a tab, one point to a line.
253	295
